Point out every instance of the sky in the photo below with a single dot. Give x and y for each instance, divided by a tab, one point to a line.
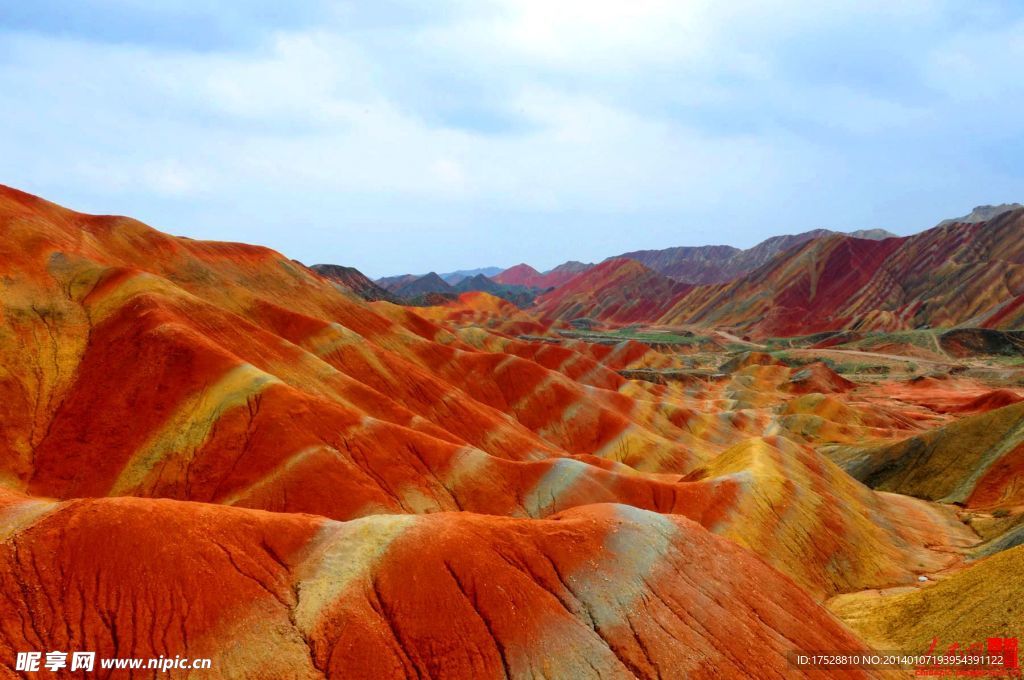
400	136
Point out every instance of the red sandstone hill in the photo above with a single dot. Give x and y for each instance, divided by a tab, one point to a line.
604	591
957	274
525	275
617	291
519	275
563	273
209	450
718	264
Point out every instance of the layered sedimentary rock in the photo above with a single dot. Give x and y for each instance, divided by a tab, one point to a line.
718	264
615	291
959	274
209	450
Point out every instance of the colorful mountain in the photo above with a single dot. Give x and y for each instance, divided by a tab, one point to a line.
692	264
615	291
518	295
718	264
960	274
977	461
958	613
446	595
527	276
563	272
209	450
652	291
982	213
520	275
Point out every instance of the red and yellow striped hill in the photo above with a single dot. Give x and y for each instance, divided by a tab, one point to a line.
956	274
209	450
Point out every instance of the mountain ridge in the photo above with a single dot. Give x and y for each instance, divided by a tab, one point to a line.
356	281
958	273
720	263
690	264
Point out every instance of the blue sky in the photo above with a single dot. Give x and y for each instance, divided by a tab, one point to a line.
401	136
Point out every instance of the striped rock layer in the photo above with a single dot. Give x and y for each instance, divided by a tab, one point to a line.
209	450
961	273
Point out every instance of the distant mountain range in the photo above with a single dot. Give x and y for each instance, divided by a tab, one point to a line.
428	283
519	284
958	273
717	264
427	289
455	277
688	264
525	275
451	278
789	284
617	291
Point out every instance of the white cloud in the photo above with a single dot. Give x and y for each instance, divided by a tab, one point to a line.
974	65
171	178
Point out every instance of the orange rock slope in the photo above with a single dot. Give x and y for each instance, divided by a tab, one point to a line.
208	450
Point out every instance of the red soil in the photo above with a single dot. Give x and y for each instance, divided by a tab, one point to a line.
984	402
516	596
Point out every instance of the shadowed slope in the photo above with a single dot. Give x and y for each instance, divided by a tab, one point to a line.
428	283
356	281
977	461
